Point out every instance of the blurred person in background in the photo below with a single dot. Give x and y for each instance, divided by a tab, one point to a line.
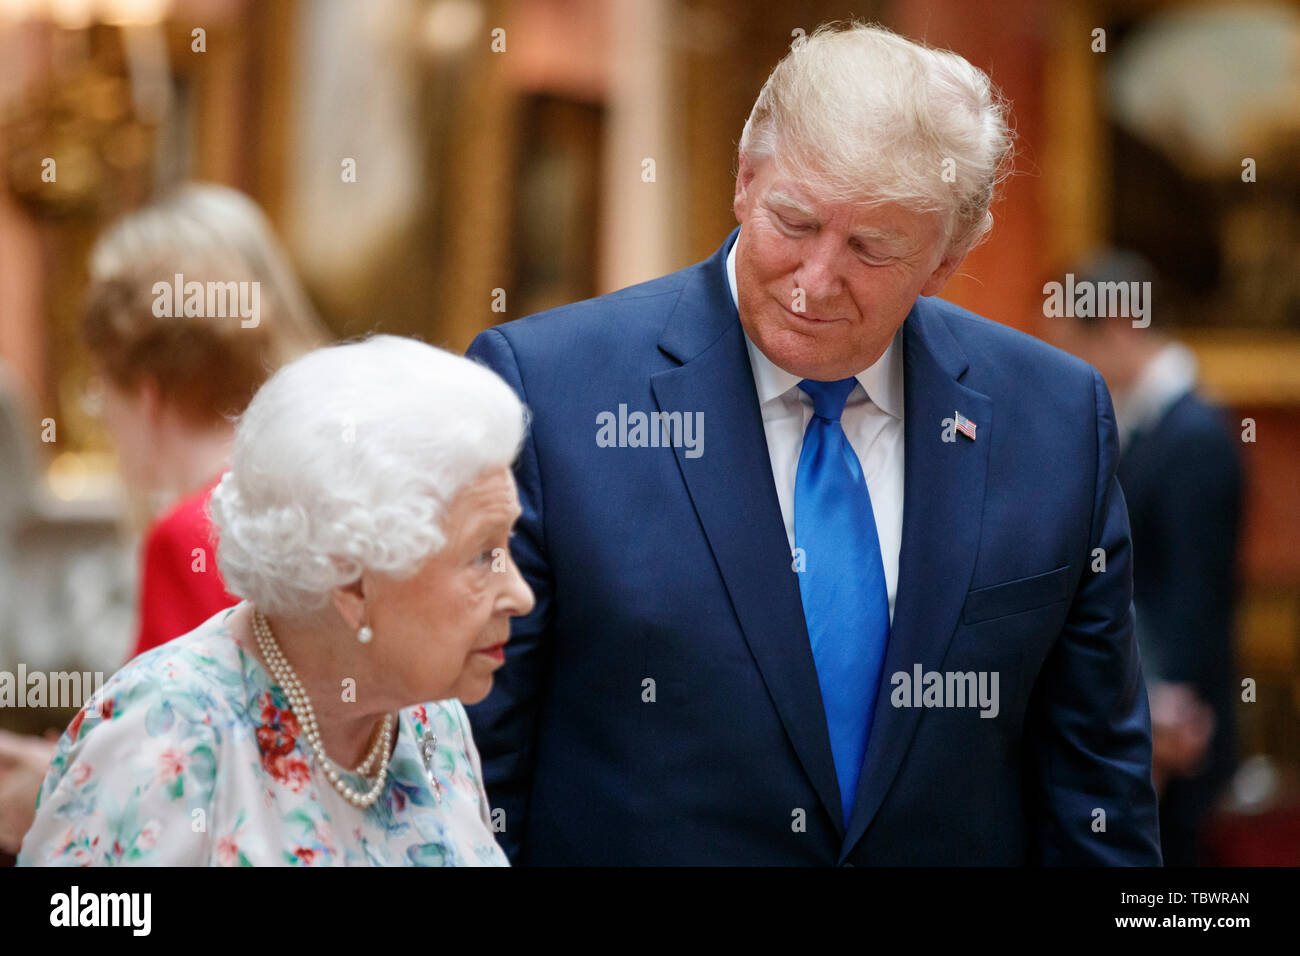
1181	478
365	520
172	385
169	387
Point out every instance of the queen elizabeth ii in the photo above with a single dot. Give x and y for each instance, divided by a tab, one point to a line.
365	522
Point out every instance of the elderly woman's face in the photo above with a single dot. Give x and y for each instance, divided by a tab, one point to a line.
823	287
442	632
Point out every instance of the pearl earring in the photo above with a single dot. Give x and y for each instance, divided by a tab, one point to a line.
364	634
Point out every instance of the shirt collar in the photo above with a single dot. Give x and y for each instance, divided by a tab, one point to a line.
882	381
1167	377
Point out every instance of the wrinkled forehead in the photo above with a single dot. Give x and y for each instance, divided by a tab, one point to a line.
867	215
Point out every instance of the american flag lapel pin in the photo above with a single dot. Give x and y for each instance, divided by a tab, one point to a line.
964	425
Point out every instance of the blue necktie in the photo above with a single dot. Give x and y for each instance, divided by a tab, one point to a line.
845	602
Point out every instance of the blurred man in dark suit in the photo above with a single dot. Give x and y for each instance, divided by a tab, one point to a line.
1182	481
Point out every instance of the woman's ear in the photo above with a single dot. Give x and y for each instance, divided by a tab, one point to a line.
350	601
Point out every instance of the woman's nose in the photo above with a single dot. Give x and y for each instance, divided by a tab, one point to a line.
518	594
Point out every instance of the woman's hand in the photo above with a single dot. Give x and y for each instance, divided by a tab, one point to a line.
23	762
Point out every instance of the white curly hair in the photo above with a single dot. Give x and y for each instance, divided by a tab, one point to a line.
861	114
346	460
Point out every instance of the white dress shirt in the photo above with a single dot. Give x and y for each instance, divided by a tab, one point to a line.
1165	379
872	420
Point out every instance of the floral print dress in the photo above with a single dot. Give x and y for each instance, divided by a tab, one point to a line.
195	758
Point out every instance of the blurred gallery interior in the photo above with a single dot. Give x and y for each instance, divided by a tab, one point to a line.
418	158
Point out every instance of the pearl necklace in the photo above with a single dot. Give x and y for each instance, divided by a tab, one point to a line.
284	675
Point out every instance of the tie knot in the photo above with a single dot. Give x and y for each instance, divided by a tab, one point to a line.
829	397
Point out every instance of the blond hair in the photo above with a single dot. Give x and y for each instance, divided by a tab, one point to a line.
205	368
860	114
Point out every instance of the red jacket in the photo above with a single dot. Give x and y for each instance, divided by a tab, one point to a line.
180	586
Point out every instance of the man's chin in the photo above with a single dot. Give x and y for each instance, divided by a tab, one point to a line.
802	353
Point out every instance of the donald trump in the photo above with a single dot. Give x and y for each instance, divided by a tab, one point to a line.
884	616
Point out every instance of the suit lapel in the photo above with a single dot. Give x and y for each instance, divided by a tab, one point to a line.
942	507
733	493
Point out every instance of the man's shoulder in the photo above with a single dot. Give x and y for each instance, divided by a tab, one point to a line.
1195	436
1193	418
634	312
1001	355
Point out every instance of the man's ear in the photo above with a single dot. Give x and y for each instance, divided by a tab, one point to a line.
942	273
350	601
744	179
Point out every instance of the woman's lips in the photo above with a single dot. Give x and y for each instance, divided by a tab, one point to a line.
497	652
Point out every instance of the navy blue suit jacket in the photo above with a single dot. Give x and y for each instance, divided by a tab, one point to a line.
656	564
1182	480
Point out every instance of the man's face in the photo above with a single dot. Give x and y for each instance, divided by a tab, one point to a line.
854	270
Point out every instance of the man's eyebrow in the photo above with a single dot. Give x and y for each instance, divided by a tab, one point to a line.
888	235
782	198
777	196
